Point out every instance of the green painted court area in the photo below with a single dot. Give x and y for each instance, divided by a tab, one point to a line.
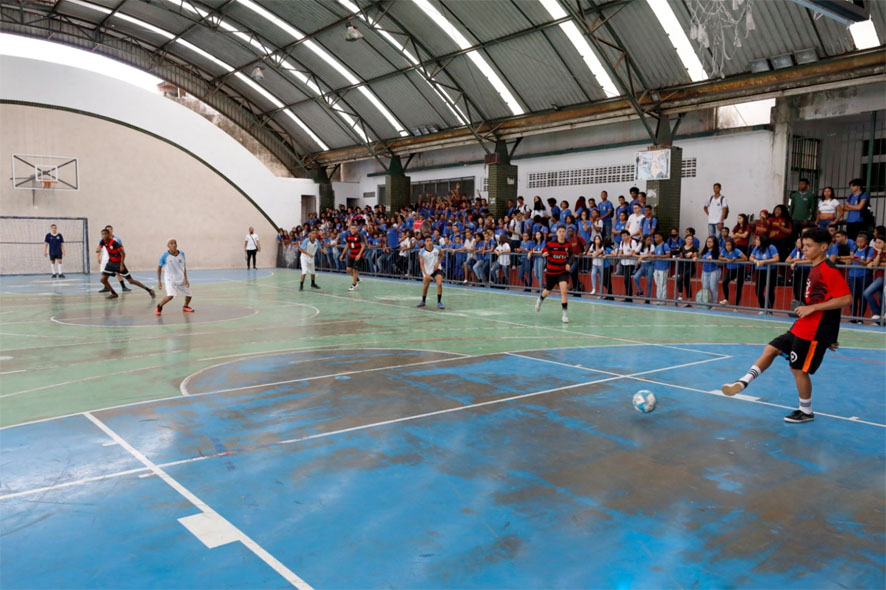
71	350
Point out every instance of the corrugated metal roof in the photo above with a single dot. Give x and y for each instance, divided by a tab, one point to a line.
536	72
361	58
409	104
416	23
323	123
484	19
576	65
478	88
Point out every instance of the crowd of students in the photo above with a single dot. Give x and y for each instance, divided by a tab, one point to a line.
608	239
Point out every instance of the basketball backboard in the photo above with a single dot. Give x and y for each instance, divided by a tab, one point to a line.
33	172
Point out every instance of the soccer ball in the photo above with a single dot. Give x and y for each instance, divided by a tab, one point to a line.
644	401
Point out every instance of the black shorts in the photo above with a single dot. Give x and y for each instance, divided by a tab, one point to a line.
113	268
436	273
552	281
53	258
803	355
352	262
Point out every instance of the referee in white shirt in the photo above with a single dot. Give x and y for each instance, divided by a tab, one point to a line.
717	209
252	245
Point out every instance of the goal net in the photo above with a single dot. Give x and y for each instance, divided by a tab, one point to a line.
22	244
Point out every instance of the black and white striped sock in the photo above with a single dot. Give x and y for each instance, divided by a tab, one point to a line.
806	405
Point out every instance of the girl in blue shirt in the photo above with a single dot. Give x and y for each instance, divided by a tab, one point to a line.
710	270
584	226
799	270
763	255
860	275
617	227
733	270
538	262
526	247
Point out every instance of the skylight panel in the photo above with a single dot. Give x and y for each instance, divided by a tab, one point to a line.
668	21
475	57
864	35
582	46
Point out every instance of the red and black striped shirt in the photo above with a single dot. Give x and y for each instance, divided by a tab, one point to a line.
356	244
558	256
113	247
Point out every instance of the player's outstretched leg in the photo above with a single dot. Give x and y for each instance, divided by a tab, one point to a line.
159	309
137	283
769	354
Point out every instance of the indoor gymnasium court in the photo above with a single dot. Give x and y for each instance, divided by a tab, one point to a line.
414	390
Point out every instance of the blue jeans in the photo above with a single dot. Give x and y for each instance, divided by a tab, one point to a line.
493	273
596	272
644	270
607	227
526	271
712	230
857	286
481	269
538	269
874	289
710	281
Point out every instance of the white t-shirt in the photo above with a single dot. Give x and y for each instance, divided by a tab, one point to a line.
635	223
629	248
310	246
429	259
469	246
715	208
828	207
405	247
173	267
252	241
504	259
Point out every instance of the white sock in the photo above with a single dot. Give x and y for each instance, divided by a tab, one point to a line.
52	266
806	405
752	374
59	268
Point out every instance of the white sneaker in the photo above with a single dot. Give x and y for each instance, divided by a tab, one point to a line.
538	304
464	282
679	299
724	302
352	288
565	318
593	291
732	388
761	313
876	318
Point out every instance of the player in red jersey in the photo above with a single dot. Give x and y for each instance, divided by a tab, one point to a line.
354	248
116	265
815	330
557	252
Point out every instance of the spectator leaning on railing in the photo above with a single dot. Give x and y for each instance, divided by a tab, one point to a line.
717	210
876	288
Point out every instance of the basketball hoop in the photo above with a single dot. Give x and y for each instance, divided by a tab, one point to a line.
48	184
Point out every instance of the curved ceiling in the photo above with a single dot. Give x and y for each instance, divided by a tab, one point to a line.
421	66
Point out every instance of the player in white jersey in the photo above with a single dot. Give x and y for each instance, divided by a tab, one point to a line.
308	249
172	274
429	259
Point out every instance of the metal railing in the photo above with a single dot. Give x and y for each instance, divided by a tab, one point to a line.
739	286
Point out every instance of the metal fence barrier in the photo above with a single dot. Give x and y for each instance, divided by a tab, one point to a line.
739	286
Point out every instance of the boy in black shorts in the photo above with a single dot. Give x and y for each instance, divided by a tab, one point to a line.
815	330
557	252
429	259
116	266
354	247
54	249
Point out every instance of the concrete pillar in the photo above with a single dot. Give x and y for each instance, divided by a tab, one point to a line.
502	181
784	111
398	187
327	195
664	195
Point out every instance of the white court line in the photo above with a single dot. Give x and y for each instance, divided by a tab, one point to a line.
184	384
94	377
247	541
75	482
488	319
319	346
742	397
11	372
255	311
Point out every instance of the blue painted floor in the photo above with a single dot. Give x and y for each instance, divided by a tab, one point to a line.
409	469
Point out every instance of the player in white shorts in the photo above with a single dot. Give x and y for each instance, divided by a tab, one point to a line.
429	262
175	278
308	249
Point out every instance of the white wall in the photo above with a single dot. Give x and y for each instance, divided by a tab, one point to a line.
26	80
743	162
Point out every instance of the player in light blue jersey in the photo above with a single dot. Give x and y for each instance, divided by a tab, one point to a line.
308	249
172	274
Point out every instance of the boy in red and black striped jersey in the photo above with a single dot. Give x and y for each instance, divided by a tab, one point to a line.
354	248
557	252
815	330
116	265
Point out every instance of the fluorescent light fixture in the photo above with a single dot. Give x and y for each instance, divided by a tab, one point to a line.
759	65
401	47
334	63
780	62
864	35
581	45
461	41
672	28
190	46
806	56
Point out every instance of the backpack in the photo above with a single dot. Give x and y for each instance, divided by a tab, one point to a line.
711	200
867	215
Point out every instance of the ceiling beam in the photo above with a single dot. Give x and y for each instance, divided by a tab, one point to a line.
842	71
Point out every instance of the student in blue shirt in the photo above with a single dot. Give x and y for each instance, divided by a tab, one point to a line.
841	248
649	224
526	246
569	223
564	210
622	206
552	203
860	276
481	266
617	228
584	226
733	270
538	261
710	270
763	255
661	256
606	213
855	204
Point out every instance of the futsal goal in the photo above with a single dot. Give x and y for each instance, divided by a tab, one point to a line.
22	244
